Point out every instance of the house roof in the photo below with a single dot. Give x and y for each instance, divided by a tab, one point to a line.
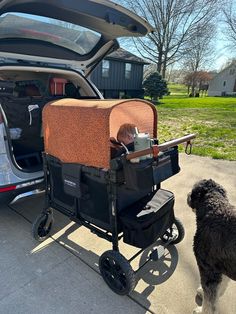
232	64
122	54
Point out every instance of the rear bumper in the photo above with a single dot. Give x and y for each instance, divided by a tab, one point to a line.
7	193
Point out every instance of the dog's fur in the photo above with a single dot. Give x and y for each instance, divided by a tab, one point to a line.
214	242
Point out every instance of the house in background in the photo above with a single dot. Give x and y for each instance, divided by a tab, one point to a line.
119	75
224	83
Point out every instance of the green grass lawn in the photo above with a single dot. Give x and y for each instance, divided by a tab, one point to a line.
213	119
177	89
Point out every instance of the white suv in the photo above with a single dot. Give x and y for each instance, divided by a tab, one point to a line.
47	50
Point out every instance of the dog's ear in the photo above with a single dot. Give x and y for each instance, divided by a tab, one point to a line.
213	186
196	198
200	189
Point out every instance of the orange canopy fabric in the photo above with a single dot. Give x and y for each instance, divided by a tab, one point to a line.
79	131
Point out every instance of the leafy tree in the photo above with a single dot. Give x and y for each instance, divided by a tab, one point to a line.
155	86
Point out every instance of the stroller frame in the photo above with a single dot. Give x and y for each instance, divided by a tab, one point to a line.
43	224
107	196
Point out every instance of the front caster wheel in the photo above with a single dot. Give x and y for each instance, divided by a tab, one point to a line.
41	227
117	272
175	233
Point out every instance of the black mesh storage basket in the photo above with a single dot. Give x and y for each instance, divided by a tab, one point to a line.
146	220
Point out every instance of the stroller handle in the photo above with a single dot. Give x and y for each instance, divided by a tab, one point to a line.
155	149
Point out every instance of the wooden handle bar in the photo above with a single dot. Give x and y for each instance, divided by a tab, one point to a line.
155	149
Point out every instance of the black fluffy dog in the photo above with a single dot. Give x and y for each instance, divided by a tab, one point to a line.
214	241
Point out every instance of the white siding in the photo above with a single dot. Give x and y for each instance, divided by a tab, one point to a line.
223	82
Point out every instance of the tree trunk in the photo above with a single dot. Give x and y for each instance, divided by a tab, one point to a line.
163	72
193	89
159	61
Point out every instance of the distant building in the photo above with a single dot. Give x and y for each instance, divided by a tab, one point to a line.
119	75
224	83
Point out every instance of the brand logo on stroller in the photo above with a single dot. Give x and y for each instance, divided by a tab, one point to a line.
70	183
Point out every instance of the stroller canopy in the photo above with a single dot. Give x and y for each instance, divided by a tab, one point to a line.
79	131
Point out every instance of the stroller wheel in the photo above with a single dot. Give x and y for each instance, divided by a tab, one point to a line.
117	272
175	233
41	227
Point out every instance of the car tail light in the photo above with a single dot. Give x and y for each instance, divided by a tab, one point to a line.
8	188
1	117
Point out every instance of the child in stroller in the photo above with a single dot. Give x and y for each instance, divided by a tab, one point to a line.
125	140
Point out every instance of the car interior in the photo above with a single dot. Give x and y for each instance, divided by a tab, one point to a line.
23	95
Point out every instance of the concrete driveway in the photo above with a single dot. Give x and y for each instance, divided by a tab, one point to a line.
61	274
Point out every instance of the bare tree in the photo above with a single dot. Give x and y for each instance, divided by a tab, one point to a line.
175	23
229	12
198	53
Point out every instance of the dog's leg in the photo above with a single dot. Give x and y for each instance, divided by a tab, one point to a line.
210	285
221	289
209	298
212	294
223	285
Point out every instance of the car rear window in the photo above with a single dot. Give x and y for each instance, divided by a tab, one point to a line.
67	35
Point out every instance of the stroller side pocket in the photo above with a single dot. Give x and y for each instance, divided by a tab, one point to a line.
138	176
166	165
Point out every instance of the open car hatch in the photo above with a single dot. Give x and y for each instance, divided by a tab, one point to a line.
75	33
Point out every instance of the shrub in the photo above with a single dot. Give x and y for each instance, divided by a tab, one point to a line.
154	86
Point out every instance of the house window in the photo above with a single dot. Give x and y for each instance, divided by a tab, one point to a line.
127	70
105	68
231	71
224	83
121	94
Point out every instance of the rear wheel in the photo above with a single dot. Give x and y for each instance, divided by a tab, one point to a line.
41	227
175	233
117	272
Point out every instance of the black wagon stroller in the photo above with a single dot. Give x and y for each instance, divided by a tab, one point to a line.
116	199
